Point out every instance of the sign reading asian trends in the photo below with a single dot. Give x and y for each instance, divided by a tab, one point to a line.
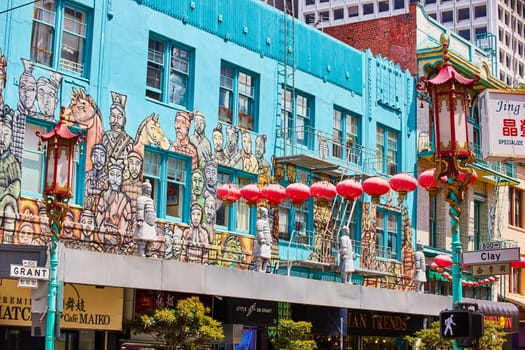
502	123
491	256
490	269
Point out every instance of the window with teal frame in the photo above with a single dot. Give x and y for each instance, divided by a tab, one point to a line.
238	97
34	163
299	128
387	150
61	36
294	219
169	175
345	134
169	72
388	238
239	217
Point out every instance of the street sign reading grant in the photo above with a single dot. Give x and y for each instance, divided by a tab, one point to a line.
506	255
29	271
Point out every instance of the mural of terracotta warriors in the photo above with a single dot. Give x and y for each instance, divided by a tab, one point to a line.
218	145
96	178
249	162
132	185
10	176
47	95
113	210
198	138
195	237
116	141
182	142
231	151
26	108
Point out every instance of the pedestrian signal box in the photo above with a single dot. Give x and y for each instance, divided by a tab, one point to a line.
462	324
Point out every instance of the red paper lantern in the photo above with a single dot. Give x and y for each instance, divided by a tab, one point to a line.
443	260
519	264
475	284
462	176
349	189
323	190
486	281
229	193
470	284
434	266
375	186
427	181
403	183
274	194
251	193
492	279
298	192
445	274
464	283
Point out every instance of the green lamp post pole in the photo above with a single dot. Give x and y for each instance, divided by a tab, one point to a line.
449	106
60	152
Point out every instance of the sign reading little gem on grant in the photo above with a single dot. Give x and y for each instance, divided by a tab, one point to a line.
491	256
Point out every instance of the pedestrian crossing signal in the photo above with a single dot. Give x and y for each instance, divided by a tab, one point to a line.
455	324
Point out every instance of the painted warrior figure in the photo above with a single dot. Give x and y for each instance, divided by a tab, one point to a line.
26	108
113	210
117	142
10	177
195	237
420	271
249	162
218	145
262	244
182	143
146	228
47	95
198	139
346	255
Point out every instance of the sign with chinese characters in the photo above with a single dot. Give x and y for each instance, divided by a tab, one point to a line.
502	125
490	269
85	307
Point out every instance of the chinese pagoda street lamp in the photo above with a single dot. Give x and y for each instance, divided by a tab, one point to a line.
449	103
60	151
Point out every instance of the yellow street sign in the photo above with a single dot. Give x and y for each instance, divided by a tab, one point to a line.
490	269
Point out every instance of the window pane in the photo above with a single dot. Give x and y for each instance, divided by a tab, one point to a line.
178	88
156	51
176	170
225	103
180	60
154	75
227	77
45	12
245	84
33	161
243	210
174	193
223	211
42	43
72	54
151	164
75	21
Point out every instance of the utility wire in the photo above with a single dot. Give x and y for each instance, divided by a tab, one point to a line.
19	6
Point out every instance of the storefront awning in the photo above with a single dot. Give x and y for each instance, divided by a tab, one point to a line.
493	310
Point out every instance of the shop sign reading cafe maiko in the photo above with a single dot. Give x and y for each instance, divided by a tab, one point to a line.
85	307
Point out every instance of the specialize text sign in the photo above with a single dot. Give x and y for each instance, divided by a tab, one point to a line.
502	125
85	307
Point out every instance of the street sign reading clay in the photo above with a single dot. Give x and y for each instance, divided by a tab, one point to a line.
506	255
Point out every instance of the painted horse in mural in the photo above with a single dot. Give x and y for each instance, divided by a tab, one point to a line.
149	132
84	111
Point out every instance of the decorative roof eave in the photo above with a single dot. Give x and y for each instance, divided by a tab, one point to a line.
433	60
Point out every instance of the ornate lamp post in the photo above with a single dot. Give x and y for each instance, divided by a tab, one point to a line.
449	102
57	192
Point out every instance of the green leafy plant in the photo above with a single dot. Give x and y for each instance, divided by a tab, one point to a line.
293	335
186	327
